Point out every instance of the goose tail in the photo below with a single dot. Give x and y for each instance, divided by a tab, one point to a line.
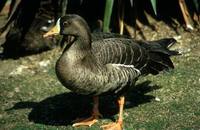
159	56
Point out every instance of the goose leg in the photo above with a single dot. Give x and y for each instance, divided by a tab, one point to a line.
118	124
94	117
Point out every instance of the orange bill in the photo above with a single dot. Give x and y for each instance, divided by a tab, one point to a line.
54	31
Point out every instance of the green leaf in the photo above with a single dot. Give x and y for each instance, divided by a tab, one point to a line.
107	15
153	3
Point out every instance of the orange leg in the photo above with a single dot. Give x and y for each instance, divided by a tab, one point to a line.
91	120
118	124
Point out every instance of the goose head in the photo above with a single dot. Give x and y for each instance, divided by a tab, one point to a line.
70	25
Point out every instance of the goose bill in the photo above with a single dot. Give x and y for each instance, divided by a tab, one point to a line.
54	31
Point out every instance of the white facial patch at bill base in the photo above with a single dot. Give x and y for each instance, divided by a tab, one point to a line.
58	24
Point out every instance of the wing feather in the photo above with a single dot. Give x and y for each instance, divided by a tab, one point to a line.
119	51
120	58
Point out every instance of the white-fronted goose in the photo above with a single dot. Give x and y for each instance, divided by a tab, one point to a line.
107	65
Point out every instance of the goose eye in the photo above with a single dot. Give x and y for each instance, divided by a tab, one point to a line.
66	23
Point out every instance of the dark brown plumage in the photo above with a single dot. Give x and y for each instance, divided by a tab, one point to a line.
110	63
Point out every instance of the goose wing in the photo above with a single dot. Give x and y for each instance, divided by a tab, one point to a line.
119	51
121	57
120	76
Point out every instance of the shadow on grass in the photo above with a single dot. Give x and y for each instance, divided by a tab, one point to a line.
62	109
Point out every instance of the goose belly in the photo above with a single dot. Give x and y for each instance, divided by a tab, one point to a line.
78	79
80	83
87	83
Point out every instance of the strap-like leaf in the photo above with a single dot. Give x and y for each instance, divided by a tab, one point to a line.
107	15
153	3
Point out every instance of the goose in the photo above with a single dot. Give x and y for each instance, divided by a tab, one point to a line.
106	65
